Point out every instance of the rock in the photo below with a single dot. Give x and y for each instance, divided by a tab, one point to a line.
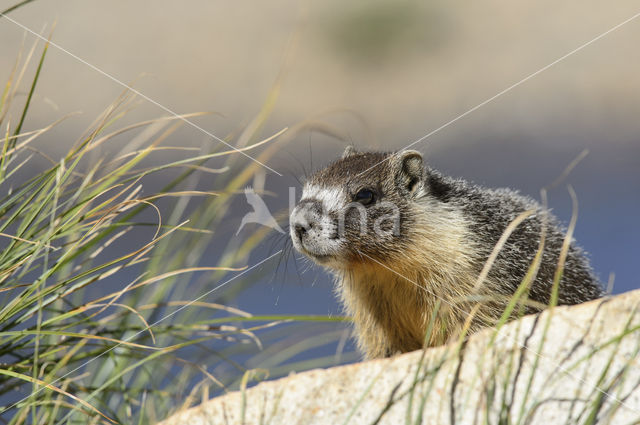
568	365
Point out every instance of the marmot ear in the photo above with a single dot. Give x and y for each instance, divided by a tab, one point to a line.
409	170
350	150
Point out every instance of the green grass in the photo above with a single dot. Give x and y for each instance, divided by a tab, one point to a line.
74	351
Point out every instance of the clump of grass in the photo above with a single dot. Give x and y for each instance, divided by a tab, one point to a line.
133	350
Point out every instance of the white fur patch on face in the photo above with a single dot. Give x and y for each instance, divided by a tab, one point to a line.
319	239
332	198
313	233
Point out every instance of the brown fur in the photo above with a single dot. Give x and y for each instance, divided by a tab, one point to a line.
392	304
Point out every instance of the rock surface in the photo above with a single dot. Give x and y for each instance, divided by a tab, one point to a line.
568	365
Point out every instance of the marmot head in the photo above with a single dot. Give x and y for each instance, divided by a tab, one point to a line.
359	206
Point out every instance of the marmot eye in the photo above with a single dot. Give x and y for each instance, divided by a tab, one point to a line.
364	196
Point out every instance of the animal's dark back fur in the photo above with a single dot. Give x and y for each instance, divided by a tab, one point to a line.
490	211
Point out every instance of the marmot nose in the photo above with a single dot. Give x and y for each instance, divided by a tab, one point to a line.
304	218
302	228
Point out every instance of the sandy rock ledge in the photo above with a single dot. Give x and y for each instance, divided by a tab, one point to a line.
567	366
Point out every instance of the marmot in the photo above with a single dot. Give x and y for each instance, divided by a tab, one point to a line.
399	236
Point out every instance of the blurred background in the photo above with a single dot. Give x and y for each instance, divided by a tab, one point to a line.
375	74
